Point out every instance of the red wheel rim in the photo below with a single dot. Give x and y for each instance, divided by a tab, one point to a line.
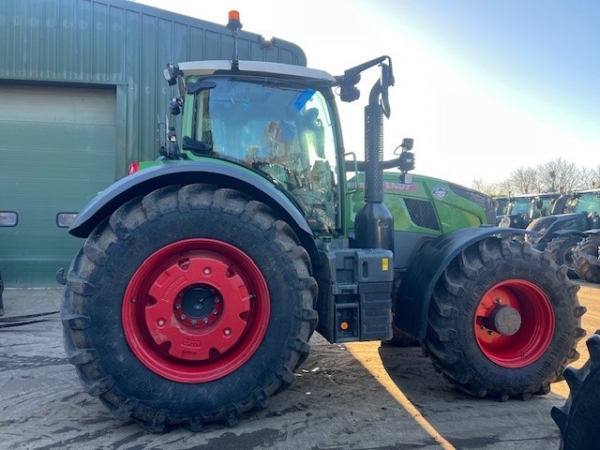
537	324
196	310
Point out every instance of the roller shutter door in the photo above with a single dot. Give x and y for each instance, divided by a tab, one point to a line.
57	150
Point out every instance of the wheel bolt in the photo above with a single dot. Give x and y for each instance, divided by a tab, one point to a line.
177	305
194	322
215	312
206	271
161	322
205	320
182	317
227	331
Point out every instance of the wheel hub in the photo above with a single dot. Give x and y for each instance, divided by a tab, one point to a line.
199	306
514	323
504	320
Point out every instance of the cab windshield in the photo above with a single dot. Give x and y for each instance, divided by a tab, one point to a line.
587	202
284	131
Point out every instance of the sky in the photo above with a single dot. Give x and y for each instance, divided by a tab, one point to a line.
484	87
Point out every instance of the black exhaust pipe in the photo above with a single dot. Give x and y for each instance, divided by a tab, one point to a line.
374	223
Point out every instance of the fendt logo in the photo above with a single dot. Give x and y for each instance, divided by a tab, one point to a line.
440	192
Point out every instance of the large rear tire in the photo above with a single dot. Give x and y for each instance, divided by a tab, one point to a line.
504	320
579	418
585	259
190	305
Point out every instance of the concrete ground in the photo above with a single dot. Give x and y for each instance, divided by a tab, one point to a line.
354	396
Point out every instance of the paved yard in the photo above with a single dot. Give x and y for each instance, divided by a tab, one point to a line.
354	396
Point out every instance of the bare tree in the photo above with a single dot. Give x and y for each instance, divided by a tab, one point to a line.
552	176
587	178
491	189
559	173
524	180
595	177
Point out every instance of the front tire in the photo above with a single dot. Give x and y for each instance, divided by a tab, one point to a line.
504	320
585	259
562	249
190	305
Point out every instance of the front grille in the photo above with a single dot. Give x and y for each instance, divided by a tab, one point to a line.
422	213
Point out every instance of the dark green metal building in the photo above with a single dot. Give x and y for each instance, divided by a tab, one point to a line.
81	93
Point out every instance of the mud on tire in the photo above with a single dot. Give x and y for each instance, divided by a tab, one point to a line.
483	279
190	305
579	418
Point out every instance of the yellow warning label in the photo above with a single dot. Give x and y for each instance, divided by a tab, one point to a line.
385	264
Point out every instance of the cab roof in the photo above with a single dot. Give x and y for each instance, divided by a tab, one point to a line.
210	67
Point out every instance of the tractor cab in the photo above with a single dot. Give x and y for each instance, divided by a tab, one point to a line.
588	202
279	121
276	120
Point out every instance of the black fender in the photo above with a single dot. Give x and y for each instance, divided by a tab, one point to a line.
567	232
589	233
551	223
417	284
219	173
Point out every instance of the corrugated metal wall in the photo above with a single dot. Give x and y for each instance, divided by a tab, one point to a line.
120	43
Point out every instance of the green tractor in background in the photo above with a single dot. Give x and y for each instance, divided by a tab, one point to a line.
520	210
204	274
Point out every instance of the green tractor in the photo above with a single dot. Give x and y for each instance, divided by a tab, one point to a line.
205	273
521	210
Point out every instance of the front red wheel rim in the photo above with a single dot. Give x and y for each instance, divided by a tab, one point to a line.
196	310
534	336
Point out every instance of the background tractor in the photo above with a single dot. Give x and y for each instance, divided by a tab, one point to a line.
561	233
520	210
205	273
